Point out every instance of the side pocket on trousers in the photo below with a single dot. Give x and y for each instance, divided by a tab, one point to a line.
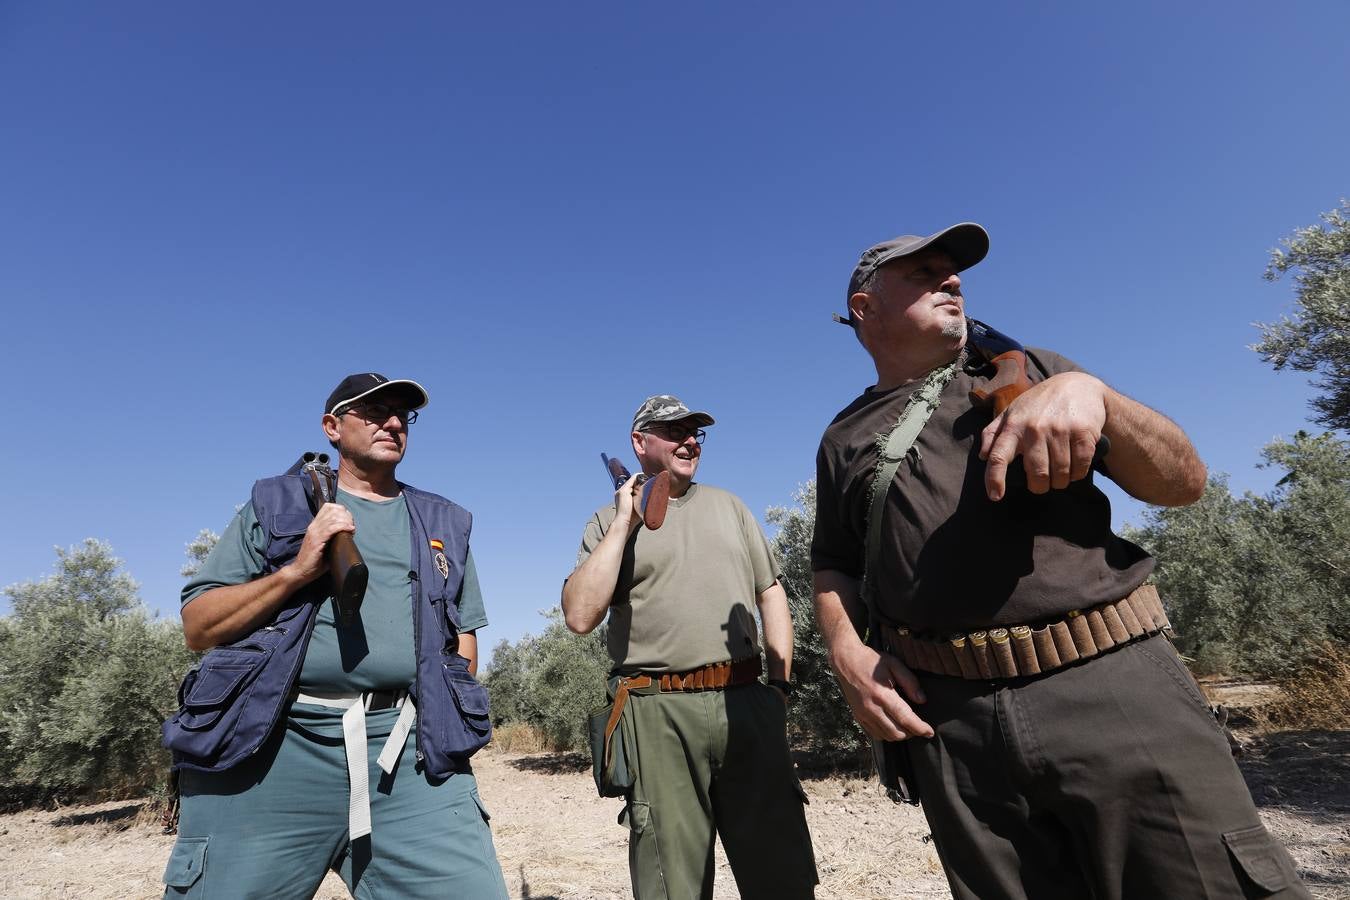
187	863
1261	859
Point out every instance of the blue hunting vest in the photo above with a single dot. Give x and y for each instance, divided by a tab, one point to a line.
230	702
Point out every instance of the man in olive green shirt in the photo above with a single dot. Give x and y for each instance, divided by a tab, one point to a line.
680	600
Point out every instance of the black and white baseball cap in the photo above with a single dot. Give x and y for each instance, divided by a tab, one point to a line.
354	388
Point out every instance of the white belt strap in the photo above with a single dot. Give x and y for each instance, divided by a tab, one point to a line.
354	741
388	757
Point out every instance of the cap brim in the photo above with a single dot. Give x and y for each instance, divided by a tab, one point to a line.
699	418
966	243
409	387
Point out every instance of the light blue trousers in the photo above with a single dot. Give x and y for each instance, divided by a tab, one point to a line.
273	826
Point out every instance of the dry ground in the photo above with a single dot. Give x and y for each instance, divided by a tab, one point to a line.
556	839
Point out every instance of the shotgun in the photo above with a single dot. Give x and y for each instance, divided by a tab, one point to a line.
655	491
1010	381
345	565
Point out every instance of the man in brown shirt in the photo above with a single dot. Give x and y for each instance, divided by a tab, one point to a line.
1060	747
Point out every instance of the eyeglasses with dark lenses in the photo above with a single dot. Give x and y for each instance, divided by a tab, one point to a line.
677	433
379	412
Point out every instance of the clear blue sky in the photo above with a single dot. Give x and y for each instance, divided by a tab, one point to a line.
545	212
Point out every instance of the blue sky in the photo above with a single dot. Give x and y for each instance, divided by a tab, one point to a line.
543	212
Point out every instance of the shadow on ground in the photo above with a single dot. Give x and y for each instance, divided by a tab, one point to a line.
102	817
552	763
1305	770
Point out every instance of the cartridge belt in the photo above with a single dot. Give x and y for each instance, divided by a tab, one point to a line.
1018	650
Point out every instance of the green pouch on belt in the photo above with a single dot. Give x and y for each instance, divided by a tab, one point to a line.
614	777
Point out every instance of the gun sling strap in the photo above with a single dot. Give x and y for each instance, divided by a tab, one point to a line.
1008	652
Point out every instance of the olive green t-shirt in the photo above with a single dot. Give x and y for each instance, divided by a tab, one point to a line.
376	653
686	592
951	559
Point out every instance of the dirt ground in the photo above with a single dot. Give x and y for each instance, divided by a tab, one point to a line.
556	839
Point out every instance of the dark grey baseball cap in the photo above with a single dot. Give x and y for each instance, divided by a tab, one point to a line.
665	408
966	243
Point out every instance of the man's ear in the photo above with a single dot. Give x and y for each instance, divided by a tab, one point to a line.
859	305
639	446
330	427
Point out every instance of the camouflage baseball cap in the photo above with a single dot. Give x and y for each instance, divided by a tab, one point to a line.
966	243
665	408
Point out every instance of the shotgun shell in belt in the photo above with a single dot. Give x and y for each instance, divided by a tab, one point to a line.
1004	662
1027	663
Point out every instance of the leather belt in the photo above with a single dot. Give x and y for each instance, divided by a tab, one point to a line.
712	677
1019	650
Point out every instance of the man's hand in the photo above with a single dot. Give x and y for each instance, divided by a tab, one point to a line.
1054	427
309	562
873	684
626	505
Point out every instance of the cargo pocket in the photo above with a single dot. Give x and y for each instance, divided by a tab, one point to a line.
187	862
1264	862
471	701
644	852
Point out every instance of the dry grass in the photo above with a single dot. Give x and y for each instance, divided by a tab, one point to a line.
518	737
1316	698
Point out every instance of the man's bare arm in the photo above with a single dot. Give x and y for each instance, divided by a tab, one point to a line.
468	648
229	612
1054	427
588	591
777	622
875	685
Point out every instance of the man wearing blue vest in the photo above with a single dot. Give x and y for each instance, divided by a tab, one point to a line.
304	744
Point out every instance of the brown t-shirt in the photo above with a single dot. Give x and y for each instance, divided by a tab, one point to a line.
951	559
686	592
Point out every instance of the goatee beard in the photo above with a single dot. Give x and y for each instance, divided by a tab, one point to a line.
955	329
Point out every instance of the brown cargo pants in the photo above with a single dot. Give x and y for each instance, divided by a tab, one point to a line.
1109	780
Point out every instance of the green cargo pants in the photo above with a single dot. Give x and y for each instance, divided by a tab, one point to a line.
273	826
715	762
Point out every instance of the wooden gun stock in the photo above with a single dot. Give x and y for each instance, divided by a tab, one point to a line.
1010	381
346	568
655	497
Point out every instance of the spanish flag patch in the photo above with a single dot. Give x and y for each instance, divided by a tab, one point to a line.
437	545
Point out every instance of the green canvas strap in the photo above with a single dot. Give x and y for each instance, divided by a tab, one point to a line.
891	450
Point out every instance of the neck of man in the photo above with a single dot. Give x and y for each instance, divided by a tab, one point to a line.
678	486
367	482
898	369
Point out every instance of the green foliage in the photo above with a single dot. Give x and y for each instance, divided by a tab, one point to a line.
819	716
198	549
86	677
551	682
1317	337
1256	585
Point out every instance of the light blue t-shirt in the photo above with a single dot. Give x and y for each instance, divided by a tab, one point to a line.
376	653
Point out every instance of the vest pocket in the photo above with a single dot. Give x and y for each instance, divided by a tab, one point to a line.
207	692
472	726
